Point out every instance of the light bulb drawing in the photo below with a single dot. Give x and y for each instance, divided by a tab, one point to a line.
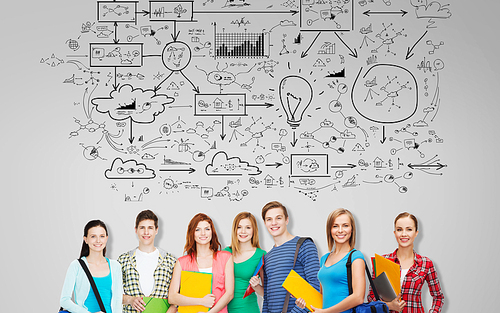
296	95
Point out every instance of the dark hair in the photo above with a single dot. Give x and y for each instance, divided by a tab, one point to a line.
190	247
406	214
146	215
273	205
85	247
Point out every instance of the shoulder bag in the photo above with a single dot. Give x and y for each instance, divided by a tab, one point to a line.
94	287
370	307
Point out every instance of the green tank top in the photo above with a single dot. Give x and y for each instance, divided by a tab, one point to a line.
242	273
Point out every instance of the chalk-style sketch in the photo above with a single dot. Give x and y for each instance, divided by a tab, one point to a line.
228	99
222	165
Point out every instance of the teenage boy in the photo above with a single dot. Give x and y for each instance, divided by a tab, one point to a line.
146	270
279	261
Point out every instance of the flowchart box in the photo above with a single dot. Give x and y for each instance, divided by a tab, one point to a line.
116	54
309	165
117	11
180	11
220	104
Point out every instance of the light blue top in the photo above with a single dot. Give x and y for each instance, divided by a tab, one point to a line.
76	288
103	284
333	279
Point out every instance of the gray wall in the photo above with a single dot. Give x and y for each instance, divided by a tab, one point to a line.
50	190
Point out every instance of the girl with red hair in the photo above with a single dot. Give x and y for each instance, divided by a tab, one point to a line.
203	255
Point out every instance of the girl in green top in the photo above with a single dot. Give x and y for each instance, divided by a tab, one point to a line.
246	255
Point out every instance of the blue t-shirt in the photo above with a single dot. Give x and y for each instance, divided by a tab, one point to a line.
333	279
103	284
277	265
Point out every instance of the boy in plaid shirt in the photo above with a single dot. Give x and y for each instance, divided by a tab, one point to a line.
146	270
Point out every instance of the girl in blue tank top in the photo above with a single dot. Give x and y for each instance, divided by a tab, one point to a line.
341	237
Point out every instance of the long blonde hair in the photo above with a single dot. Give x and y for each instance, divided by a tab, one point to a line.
329	225
235	245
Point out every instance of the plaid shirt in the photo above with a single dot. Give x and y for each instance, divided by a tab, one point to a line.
421	270
162	275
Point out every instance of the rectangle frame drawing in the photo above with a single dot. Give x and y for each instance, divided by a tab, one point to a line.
164	11
309	165
116	54
220	104
118	11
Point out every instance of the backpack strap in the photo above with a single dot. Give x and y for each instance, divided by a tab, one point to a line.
299	244
92	283
349	276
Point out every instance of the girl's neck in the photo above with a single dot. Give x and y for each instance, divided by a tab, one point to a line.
203	250
341	248
95	257
405	253
246	246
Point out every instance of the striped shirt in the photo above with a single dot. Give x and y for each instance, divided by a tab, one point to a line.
277	265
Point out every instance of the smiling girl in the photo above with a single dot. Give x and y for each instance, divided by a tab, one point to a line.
247	253
415	269
77	295
203	255
341	238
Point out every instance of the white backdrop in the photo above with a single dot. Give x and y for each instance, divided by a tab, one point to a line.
50	191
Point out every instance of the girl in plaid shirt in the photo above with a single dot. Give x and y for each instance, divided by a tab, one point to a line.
415	269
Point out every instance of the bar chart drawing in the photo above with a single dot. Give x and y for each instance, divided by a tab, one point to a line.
242	45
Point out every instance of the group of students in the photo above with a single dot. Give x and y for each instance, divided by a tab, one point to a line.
151	271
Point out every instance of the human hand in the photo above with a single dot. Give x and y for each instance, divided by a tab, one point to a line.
397	304
208	300
138	304
254	281
301	303
172	309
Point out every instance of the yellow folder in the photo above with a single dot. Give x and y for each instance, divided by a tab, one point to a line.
391	269
195	285
300	288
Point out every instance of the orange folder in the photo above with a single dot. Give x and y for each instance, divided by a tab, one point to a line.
300	288
195	285
391	269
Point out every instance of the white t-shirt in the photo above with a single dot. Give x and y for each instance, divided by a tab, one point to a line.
403	275
146	265
206	270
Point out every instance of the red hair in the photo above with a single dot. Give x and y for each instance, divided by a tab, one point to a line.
190	247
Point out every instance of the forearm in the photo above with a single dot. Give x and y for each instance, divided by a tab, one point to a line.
128	299
181	300
346	304
222	303
70	306
259	290
172	309
437	304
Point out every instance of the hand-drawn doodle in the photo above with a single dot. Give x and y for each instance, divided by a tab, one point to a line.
386	93
129	169
345	118
230	166
296	95
127	102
